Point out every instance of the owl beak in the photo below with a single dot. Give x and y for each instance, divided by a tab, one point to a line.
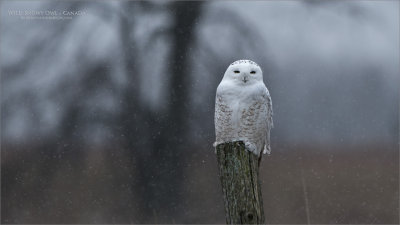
245	79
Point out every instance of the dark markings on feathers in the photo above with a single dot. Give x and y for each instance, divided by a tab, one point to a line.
244	61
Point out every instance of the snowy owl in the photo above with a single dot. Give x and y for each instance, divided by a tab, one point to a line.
243	108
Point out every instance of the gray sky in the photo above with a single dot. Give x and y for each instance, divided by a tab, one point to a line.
333	67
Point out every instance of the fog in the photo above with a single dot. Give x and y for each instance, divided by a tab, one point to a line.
119	95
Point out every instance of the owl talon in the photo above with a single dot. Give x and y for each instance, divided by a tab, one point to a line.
250	146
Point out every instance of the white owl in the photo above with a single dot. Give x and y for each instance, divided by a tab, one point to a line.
243	108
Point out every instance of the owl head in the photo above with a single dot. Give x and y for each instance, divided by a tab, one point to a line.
244	72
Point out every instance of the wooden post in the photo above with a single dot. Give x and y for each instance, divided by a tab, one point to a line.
240	181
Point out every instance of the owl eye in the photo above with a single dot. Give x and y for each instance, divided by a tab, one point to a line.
236	71
253	72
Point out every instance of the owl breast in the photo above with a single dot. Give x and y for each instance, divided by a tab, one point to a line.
241	116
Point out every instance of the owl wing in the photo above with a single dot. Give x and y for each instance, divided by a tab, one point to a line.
269	122
222	120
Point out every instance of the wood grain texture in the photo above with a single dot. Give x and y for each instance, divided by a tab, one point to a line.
240	184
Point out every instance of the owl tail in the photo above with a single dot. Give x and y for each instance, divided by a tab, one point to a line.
267	149
267	146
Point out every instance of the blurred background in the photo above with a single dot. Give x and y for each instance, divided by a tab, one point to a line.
107	109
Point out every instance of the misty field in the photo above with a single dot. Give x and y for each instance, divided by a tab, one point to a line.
357	184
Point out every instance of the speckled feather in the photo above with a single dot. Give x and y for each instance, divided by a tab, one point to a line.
243	108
